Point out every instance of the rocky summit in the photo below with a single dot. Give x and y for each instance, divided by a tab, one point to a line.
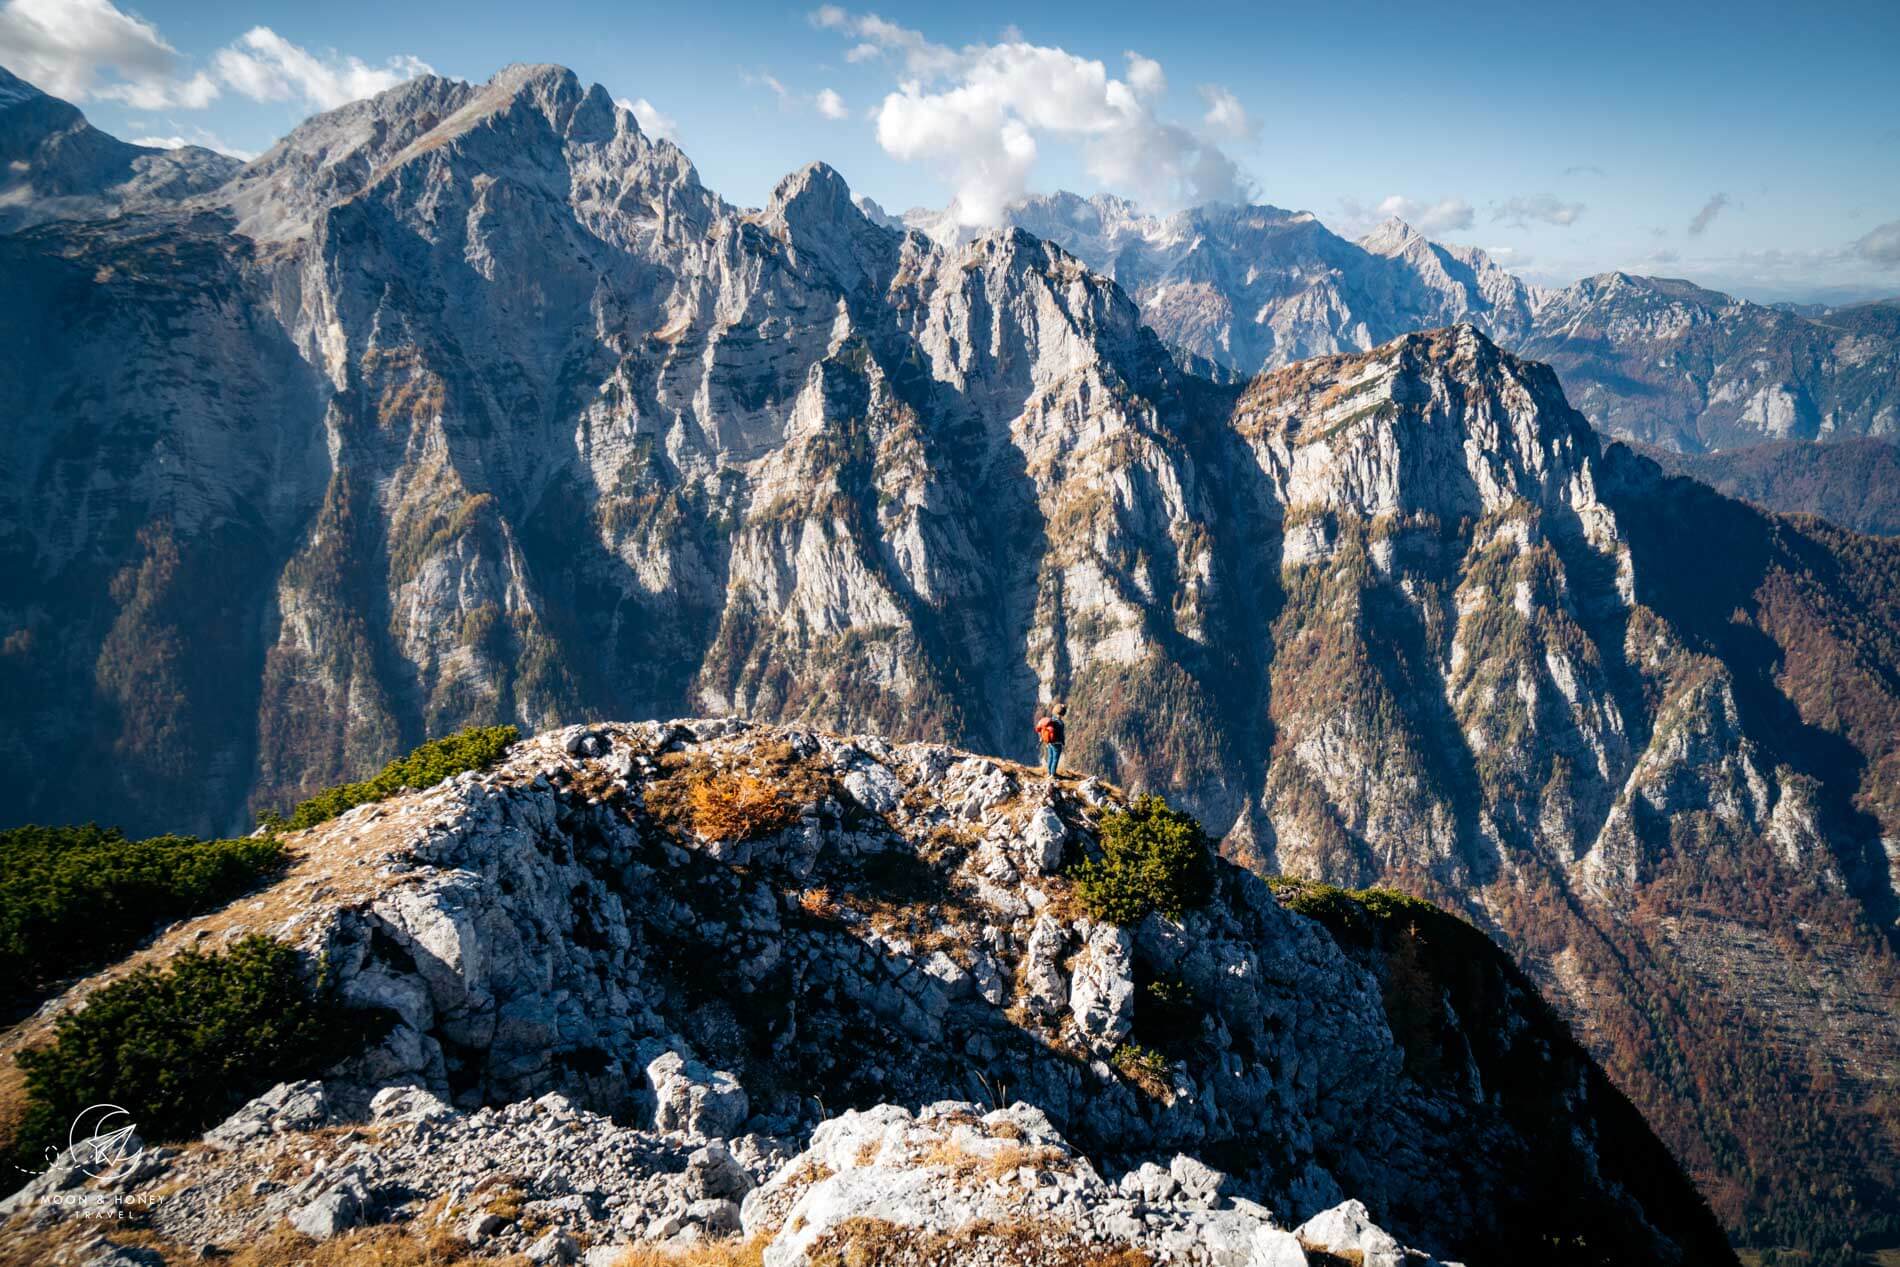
470	404
837	999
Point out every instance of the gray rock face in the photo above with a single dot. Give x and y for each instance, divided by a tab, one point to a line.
56	166
1102	985
959	1185
340	1206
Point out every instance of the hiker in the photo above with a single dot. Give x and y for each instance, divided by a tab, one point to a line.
1049	730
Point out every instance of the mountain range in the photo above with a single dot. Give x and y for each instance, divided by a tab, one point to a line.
469	403
1652	359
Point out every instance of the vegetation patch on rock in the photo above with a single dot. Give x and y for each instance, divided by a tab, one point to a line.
472	749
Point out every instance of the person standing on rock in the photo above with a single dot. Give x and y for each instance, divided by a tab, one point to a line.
1050	730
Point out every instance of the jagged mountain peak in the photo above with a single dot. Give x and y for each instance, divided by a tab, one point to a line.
816	189
1390	236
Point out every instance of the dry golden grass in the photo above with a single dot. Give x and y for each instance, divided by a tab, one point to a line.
728	1253
419	1243
1318	1257
819	903
962	1163
718	804
875	1243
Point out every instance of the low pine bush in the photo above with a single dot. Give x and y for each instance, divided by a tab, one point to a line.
180	1047
473	749
73	898
1154	858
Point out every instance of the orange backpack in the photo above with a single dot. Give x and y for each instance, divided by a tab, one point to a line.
1046	729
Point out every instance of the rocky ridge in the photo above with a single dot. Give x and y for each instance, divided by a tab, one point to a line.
554	940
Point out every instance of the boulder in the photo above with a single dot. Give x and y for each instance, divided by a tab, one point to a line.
554	1247
1044	987
691	1099
1348	1228
338	1208
712	1171
288	1106
1044	841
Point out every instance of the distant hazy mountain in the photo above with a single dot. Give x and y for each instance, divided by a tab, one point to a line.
1853	482
1646	358
53	164
471	404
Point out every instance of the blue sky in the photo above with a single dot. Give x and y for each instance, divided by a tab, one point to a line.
1751	147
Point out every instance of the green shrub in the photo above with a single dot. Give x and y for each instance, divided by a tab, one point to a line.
180	1047
473	749
1143	1066
1167	1015
1154	858
72	898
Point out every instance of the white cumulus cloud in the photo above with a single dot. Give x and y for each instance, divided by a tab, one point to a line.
1444	216
1145	76
652	120
91	49
981	115
264	66
831	105
85	49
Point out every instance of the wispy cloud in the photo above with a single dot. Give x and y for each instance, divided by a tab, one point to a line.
85	49
1705	217
1225	116
1583	169
825	101
1524	211
981	114
1443	215
1881	246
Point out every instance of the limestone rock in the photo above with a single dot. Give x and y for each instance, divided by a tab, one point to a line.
694	1100
1102	985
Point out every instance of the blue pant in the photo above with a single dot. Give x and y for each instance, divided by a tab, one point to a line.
1051	757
